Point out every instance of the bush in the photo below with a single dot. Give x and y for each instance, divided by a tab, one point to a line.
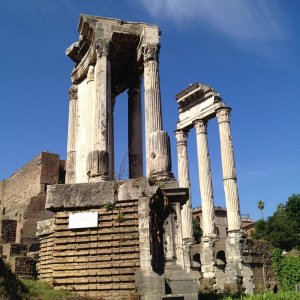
287	270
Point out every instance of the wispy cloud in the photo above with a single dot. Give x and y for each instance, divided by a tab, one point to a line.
241	20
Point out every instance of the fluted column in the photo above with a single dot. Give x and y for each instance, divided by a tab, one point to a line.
153	118
208	213
229	173
184	181
111	144
72	134
101	168
90	111
135	142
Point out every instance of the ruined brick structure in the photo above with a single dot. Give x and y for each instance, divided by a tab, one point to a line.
22	199
23	194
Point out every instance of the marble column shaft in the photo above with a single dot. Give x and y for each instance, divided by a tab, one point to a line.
72	133
111	144
229	173
206	189
184	181
102	99
91	104
135	142
153	118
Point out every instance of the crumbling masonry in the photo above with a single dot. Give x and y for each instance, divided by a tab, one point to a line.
117	239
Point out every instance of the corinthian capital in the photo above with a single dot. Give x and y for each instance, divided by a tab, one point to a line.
201	126
223	115
181	136
73	92
103	47
150	52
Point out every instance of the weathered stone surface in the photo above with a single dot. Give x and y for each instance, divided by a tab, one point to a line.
8	231
62	196
45	227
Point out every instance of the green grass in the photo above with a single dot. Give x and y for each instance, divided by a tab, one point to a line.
42	291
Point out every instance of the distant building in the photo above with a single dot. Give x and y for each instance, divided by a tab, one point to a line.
221	221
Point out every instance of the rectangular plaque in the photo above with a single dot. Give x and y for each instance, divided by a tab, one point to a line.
83	220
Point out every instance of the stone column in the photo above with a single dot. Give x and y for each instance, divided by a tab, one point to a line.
184	181
135	142
72	133
229	174
90	101
111	145
153	118
100	154
208	213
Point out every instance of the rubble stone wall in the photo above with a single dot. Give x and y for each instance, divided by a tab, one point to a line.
90	260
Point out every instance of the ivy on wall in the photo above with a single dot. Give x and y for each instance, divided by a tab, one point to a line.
287	269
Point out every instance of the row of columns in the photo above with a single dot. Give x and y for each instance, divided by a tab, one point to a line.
100	162
206	190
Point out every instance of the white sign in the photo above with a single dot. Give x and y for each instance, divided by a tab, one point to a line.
83	220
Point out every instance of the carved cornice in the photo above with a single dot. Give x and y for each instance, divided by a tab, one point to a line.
151	52
201	126
80	71
103	47
73	92
223	115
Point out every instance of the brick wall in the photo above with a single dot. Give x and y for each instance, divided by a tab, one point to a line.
23	195
90	261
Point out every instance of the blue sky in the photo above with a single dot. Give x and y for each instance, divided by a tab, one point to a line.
246	50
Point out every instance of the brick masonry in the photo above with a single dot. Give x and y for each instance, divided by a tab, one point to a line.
90	260
23	194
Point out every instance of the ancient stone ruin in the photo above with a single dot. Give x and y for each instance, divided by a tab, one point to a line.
117	239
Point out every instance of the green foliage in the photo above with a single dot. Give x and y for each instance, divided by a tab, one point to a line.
120	217
287	269
290	273
42	290
109	206
282	230
10	287
197	231
261	206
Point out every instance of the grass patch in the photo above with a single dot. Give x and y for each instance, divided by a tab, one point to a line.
43	291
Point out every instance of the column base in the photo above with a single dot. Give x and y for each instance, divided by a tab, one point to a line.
238	274
207	249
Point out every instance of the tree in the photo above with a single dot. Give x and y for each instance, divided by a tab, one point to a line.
282	230
197	231
261	206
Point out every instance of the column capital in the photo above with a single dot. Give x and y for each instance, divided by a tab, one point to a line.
201	126
223	114
151	52
103	47
73	92
181	136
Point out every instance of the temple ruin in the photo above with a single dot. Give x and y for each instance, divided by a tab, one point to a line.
113	239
